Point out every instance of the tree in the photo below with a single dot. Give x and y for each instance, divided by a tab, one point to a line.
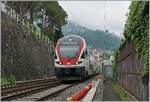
46	14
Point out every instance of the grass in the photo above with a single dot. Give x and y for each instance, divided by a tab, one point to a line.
8	80
123	94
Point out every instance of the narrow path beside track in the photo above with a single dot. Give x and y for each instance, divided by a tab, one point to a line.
109	92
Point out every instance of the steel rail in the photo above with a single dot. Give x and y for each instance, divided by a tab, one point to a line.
46	97
30	90
22	85
25	87
25	82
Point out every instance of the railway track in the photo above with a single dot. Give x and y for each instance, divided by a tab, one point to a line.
35	90
22	89
46	94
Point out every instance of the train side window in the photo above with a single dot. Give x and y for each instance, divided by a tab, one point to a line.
55	55
86	52
83	56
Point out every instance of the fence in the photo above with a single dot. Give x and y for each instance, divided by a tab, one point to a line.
36	33
129	72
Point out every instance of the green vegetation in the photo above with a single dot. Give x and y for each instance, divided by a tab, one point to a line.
94	38
8	80
107	55
114	66
46	16
136	30
123	94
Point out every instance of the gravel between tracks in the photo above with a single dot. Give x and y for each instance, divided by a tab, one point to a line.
70	91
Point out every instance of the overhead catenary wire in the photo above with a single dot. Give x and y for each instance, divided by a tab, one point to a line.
104	18
75	17
104	29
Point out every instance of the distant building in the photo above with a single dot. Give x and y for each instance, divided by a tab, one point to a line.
112	58
107	69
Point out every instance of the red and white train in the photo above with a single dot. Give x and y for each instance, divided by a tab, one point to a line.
72	59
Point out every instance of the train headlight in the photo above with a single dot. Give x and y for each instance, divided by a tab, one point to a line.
58	62
78	62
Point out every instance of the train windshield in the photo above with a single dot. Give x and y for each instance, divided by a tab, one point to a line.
69	50
69	46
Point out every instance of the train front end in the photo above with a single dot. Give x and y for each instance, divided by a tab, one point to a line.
70	58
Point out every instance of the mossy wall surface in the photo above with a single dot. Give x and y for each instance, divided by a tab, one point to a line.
22	56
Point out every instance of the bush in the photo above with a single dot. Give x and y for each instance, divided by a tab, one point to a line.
123	94
8	80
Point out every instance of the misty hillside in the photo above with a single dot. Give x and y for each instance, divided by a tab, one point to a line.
94	38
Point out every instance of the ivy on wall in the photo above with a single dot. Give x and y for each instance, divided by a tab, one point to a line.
136	30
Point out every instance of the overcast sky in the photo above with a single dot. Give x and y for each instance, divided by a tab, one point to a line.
91	14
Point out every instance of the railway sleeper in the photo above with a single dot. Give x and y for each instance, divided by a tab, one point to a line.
22	89
25	87
20	84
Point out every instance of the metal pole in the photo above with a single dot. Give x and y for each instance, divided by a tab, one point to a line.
104	49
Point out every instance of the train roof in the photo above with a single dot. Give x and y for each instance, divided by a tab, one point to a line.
71	37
